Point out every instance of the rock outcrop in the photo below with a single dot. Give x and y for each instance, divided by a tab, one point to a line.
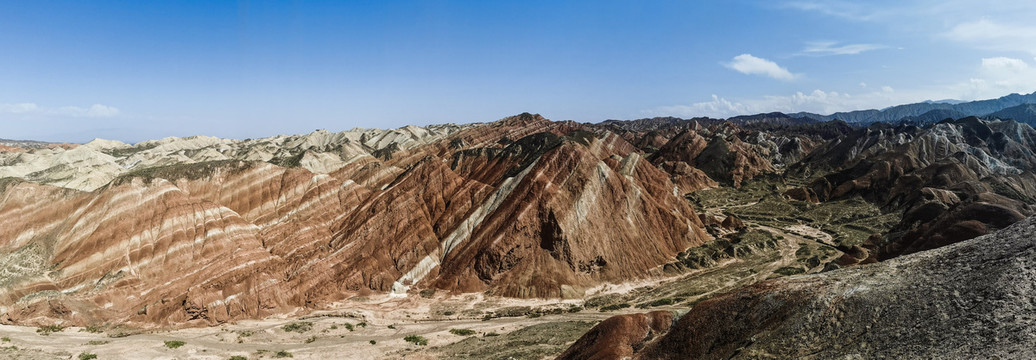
953	180
523	207
967	300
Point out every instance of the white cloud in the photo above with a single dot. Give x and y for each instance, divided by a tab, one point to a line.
995	35
751	65
842	9
1004	64
998	76
817	101
21	108
94	111
995	77
822	48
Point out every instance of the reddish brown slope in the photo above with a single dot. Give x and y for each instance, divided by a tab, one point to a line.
523	207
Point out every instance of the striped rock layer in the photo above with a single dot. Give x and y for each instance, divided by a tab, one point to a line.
523	207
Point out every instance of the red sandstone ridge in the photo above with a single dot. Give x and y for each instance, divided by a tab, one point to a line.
523	207
619	337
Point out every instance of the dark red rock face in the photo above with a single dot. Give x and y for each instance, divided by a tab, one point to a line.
523	207
619	337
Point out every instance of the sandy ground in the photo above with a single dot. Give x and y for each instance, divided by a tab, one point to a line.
385	321
805	230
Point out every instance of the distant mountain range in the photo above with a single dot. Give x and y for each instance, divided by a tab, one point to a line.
932	111
1021	108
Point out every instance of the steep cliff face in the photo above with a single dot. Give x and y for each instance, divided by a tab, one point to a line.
967	300
523	207
575	217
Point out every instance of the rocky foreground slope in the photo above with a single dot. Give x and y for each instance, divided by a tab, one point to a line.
968	300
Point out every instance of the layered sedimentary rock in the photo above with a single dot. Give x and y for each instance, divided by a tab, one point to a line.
704	153
523	207
954	180
94	164
967	300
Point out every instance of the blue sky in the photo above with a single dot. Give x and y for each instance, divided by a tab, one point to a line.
136	70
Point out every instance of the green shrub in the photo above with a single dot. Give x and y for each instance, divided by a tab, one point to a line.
283	354
311	339
462	332
348	326
488	334
238	357
416	339
47	329
615	307
87	356
92	329
392	327
5	339
374	342
299	327
662	302
173	344
789	270
97	342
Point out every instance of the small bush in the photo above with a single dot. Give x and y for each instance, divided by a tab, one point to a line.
348	326
97	342
245	333
462	332
311	339
299	327
362	324
120	334
5	339
94	329
416	340
615	307
334	327
87	356
46	330
575	308
789	270
238	357
392	327
489	334
282	354
174	343
533	315
374	342
662	302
